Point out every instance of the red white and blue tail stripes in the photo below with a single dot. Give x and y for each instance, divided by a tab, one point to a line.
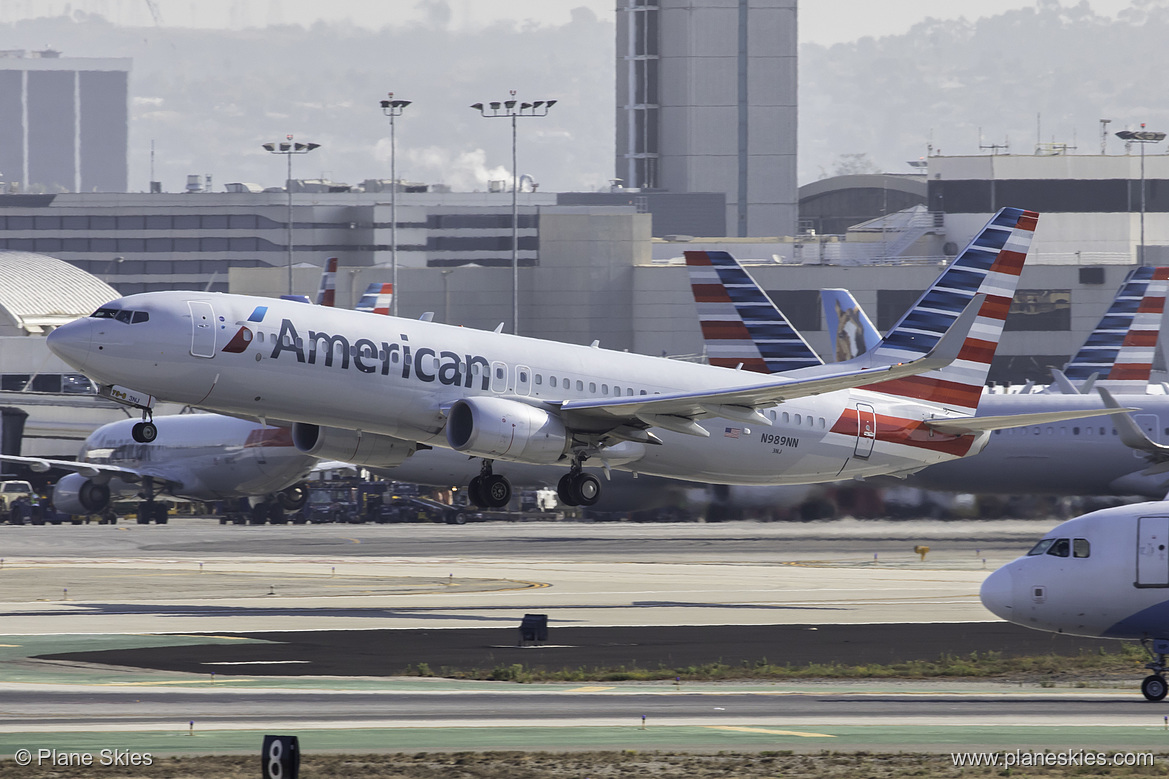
326	295
377	298
740	324
989	265
1120	349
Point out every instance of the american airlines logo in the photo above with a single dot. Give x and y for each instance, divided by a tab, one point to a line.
422	363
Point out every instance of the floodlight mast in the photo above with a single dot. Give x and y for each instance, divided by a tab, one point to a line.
1142	137
393	109
508	109
288	148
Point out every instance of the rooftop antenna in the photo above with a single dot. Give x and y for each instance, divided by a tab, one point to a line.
993	147
1104	135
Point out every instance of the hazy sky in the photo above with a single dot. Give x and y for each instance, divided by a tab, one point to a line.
821	21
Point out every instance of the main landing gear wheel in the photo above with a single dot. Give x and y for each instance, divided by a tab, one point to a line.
144	432
475	490
578	489
497	491
489	490
1154	687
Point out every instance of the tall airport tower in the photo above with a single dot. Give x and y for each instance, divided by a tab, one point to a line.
64	122
706	102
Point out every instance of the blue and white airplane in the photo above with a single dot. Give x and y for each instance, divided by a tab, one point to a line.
1104	575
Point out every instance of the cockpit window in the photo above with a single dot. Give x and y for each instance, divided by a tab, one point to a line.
1060	548
1041	547
1081	548
122	315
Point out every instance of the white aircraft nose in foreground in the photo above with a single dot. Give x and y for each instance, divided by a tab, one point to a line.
1105	575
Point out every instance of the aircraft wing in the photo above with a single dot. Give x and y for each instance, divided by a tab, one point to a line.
961	425
677	411
89	470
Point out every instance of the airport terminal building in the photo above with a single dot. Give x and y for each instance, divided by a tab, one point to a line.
597	271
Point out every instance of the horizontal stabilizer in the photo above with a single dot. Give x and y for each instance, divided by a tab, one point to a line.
962	425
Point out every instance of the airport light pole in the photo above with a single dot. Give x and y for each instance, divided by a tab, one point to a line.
393	108
288	148
508	109
1142	137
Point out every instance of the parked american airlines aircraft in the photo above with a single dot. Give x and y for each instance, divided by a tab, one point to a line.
202	457
1117	354
397	384
1105	574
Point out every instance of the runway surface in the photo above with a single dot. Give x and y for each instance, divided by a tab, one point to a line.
139	630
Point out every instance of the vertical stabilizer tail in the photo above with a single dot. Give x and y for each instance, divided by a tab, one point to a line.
991	265
327	294
851	330
1121	347
377	298
740	324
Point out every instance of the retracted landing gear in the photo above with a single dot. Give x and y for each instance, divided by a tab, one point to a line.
1154	687
489	490
577	488
145	432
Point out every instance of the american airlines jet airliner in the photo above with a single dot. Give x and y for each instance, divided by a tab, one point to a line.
397	385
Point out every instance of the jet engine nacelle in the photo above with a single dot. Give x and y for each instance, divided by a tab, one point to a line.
351	446
76	494
496	427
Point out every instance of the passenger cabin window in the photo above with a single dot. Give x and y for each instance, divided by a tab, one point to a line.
552	381
1060	548
539	379
1081	548
592	388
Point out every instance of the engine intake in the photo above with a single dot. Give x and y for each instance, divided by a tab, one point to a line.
496	427
351	446
75	494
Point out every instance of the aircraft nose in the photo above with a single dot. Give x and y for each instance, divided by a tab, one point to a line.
71	343
998	595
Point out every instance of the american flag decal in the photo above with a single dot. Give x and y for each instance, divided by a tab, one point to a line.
733	432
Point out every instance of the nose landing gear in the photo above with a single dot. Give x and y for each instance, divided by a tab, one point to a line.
1154	687
145	432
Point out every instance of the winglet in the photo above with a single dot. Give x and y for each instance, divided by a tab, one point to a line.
1130	432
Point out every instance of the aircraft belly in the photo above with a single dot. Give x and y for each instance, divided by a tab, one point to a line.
323	397
1012	475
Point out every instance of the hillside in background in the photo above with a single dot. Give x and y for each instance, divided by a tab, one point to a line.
208	98
1063	69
